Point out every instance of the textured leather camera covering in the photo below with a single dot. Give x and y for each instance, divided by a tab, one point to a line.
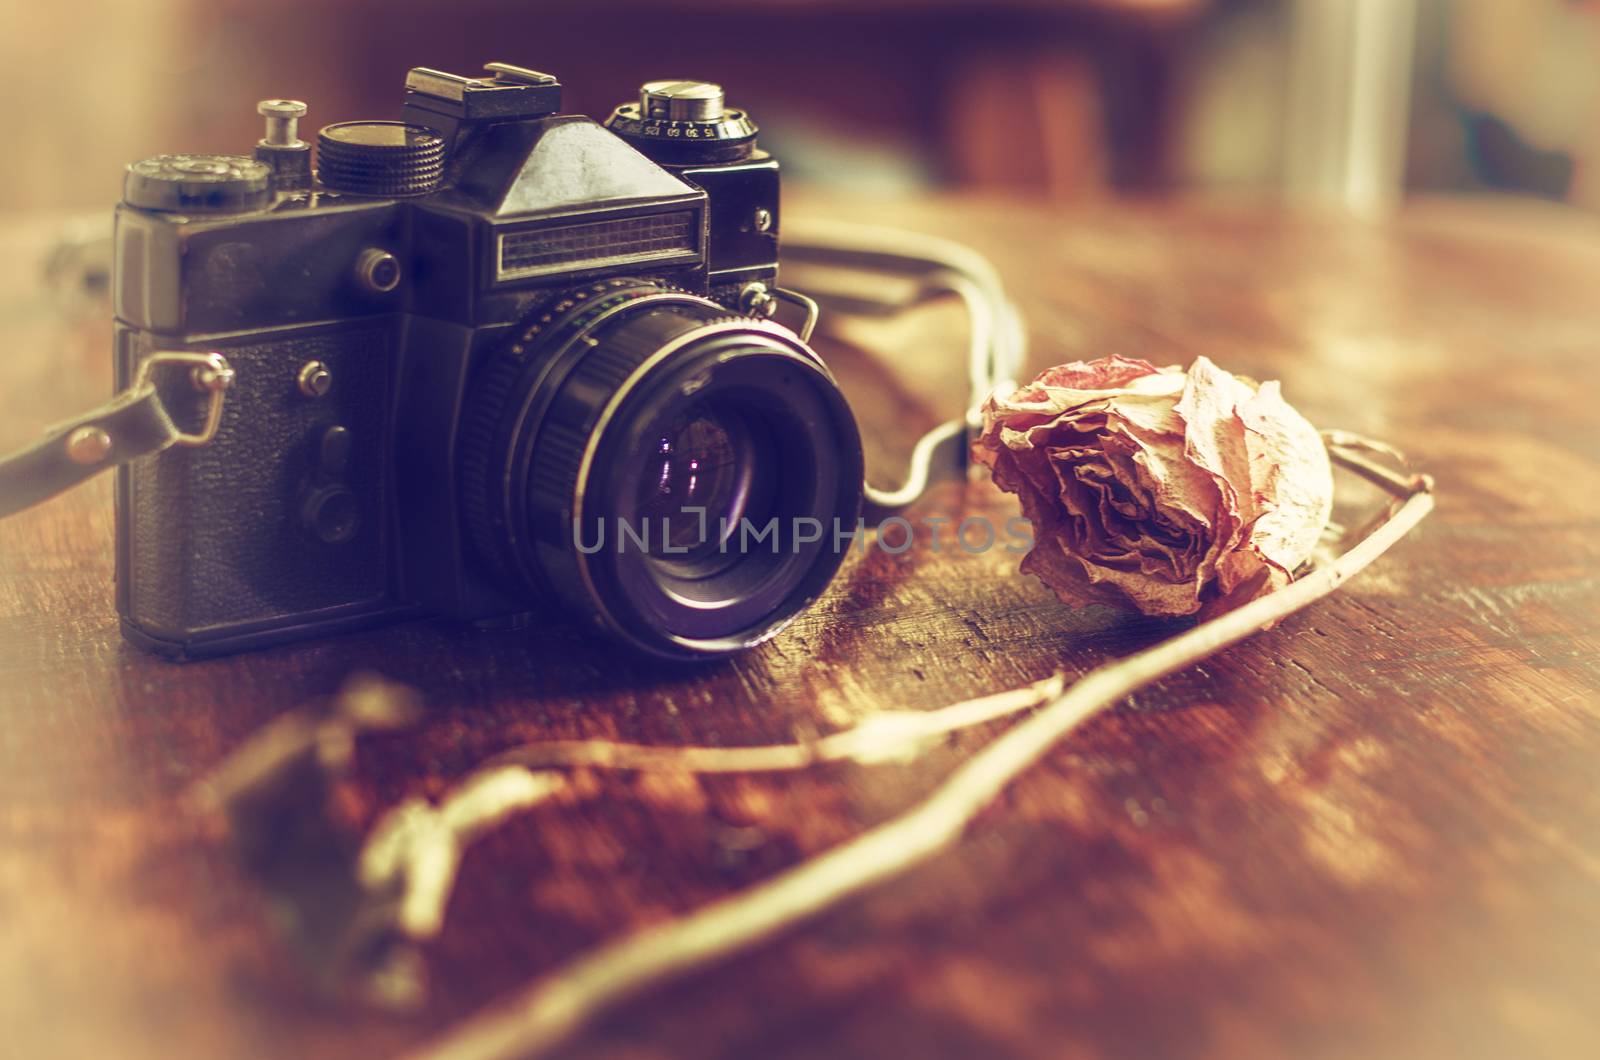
212	538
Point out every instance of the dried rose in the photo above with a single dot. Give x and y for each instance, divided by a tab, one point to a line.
1168	490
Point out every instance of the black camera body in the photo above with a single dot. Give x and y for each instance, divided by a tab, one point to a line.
465	333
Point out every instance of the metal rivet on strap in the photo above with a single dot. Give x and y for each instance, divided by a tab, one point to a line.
88	445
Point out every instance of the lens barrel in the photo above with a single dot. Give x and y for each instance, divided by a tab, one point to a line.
675	472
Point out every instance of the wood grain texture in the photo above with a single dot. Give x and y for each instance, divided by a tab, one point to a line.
1374	829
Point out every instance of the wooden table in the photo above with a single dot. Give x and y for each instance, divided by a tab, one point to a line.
1375	829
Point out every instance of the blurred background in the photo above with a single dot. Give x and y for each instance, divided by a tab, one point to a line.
1346	102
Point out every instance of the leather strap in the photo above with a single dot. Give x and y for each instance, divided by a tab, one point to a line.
130	425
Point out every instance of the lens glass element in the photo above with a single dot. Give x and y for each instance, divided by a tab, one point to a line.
697	482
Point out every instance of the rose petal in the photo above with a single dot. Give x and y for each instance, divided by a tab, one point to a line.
1292	475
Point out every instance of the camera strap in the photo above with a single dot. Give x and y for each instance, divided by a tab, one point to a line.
826	259
132	424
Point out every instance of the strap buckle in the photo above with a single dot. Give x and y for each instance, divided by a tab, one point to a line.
208	371
131	425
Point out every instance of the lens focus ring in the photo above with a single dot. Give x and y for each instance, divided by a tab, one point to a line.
505	394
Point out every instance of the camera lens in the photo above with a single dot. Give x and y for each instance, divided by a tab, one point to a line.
674	472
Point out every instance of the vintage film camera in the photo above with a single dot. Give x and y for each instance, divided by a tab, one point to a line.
459	338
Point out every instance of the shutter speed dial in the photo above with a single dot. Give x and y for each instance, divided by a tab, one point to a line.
684	123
